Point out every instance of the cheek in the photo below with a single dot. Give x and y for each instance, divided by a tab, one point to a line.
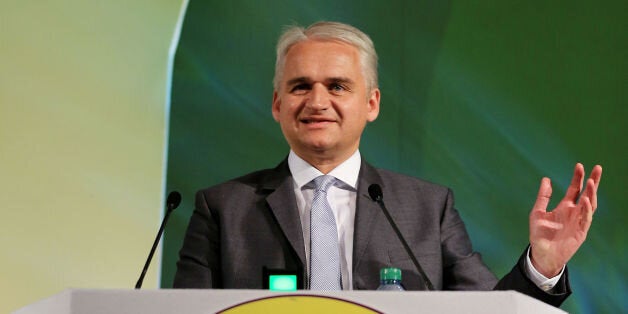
287	115
353	111
290	109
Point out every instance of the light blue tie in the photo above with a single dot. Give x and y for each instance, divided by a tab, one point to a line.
324	249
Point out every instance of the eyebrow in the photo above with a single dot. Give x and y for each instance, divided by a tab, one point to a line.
304	79
344	80
298	80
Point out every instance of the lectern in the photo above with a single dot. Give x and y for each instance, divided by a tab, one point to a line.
262	301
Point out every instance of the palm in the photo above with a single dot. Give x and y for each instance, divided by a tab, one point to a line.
555	236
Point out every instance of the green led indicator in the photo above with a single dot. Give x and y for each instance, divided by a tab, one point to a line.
282	282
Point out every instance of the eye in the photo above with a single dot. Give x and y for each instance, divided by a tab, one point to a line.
337	87
300	88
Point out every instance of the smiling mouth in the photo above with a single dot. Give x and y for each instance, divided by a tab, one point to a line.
312	120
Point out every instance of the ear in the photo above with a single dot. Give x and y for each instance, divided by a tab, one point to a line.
373	105
276	106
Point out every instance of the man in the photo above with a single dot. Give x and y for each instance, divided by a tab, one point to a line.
325	92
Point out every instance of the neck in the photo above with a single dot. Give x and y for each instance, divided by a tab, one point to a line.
323	162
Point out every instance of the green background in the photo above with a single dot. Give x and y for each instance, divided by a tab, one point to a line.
486	97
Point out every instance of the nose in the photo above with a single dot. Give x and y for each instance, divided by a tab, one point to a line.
319	97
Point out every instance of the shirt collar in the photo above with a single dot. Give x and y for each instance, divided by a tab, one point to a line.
347	172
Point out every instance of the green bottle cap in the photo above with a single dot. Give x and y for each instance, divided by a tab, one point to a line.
390	273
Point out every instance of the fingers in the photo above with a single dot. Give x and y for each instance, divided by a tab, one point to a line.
590	192
596	175
573	191
592	185
586	212
543	198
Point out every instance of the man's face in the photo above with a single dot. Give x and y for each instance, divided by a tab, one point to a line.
323	103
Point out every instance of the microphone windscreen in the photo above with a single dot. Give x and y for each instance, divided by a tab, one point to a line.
173	200
375	191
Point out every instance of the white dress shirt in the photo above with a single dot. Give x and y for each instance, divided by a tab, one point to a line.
342	199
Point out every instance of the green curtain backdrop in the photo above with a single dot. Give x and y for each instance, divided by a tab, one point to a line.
485	97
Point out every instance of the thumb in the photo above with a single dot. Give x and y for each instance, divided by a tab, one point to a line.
543	198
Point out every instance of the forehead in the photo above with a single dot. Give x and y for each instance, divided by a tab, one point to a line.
322	59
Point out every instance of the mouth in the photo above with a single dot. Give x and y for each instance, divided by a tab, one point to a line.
315	120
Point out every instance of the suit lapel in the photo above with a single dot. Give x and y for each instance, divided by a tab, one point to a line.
283	204
366	212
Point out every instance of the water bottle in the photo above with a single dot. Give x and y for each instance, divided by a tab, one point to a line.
390	279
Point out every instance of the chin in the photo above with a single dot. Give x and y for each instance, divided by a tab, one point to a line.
315	146
319	147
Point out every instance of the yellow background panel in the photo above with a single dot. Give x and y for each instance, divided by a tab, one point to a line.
83	88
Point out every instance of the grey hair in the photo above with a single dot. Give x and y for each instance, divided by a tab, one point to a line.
329	31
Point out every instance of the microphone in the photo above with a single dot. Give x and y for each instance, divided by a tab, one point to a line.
172	202
375	191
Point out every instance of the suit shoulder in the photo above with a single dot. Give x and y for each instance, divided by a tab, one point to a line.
401	182
256	182
253	181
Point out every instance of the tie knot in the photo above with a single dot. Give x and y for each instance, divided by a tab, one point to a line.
322	183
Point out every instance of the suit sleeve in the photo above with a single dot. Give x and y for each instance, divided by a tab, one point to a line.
518	280
199	257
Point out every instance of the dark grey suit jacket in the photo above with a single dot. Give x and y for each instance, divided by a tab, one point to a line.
242	225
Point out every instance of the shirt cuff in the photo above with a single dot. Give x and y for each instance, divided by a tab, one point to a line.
544	283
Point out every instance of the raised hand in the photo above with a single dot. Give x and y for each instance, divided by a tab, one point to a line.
556	235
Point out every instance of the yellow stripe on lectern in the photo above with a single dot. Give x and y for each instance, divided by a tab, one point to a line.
299	304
